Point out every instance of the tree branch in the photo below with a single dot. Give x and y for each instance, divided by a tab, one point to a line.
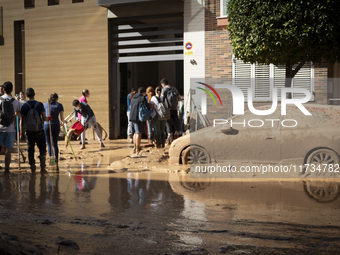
298	67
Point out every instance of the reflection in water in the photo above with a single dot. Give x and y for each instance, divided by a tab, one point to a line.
323	192
194	185
142	193
177	198
48	189
23	187
85	180
176	210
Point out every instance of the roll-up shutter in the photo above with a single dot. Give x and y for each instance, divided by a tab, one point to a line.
242	75
262	78
147	38
262	89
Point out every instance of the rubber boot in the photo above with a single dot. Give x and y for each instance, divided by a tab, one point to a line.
32	165
158	139
42	164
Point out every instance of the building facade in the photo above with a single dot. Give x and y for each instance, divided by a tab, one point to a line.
112	46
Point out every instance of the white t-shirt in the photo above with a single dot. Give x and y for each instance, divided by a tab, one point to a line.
16	107
155	102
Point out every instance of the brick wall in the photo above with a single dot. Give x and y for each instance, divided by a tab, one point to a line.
218	56
321	74
218	65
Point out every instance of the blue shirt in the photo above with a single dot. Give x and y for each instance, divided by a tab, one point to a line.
40	109
128	102
55	109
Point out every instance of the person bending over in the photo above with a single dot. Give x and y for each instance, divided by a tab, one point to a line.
86	112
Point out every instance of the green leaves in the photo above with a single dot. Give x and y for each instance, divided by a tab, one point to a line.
290	30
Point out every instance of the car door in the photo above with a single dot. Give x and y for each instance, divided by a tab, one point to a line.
245	139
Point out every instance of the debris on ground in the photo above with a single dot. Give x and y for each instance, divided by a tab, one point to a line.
150	159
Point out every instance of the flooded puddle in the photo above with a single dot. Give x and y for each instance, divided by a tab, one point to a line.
168	212
87	208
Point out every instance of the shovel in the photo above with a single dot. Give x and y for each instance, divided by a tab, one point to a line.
53	163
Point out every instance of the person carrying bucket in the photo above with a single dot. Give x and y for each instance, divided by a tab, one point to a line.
86	112
55	110
83	99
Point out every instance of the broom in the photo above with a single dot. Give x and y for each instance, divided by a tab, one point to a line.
53	163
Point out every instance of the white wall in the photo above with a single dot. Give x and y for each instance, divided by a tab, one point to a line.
194	32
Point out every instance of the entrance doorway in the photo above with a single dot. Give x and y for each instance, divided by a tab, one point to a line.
144	50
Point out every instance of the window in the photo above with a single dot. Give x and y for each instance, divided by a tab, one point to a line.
223	8
52	2
29	4
77	1
263	78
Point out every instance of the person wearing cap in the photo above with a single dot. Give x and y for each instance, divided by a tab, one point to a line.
7	133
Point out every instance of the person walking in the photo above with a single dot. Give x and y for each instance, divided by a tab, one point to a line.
83	99
9	107
159	125
171	96
149	94
56	109
34	112
86	112
137	126
128	101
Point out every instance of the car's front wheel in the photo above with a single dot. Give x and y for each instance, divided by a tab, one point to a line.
323	156
195	155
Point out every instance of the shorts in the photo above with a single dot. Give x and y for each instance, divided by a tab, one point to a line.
138	127
7	138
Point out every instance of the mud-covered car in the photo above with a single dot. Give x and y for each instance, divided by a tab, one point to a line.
293	138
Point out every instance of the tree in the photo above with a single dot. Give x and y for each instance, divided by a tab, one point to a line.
285	32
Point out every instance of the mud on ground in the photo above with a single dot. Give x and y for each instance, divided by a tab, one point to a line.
111	202
149	159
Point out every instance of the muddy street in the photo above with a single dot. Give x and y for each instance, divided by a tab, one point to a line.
95	206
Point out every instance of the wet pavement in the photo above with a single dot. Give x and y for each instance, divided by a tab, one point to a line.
88	209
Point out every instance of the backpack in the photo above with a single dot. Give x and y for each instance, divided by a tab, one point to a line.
144	112
6	112
172	98
163	112
33	120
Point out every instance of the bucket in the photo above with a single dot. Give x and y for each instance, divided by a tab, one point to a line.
78	128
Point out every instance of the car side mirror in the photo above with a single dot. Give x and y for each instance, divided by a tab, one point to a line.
230	131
